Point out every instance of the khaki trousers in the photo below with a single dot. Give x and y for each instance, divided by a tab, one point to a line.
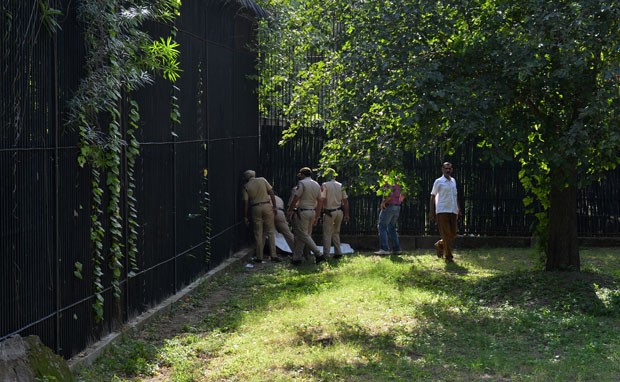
283	228
302	227
262	220
331	232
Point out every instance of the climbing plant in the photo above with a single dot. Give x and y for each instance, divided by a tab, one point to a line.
49	16
121	57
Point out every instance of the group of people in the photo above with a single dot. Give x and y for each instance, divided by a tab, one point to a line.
444	208
310	201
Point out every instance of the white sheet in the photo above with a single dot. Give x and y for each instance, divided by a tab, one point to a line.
283	245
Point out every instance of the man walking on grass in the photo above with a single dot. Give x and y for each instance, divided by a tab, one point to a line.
444	208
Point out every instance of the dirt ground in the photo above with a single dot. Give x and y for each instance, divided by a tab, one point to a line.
191	310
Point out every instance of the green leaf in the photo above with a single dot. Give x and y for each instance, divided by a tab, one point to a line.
78	270
48	16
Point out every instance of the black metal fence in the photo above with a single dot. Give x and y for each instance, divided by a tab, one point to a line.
491	196
187	174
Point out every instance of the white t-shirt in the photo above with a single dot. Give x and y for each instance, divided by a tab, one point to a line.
445	195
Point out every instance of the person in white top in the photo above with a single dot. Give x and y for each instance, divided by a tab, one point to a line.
335	211
444	207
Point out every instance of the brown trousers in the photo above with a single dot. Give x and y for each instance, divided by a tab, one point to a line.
446	223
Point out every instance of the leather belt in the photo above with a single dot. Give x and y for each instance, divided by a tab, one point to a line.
258	204
333	209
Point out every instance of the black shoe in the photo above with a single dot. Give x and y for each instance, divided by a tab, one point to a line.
275	259
296	262
320	259
337	255
258	261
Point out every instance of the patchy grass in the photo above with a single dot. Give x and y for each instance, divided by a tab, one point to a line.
490	317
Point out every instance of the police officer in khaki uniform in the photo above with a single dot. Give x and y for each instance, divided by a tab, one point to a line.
307	198
258	195
294	207
282	224
335	211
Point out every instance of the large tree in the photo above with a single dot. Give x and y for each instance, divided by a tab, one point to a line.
533	80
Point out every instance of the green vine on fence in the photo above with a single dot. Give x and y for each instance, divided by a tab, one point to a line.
121	57
49	16
133	150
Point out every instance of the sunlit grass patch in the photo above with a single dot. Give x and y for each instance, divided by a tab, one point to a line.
492	316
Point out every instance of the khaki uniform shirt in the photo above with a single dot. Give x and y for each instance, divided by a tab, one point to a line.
308	191
279	203
256	190
333	193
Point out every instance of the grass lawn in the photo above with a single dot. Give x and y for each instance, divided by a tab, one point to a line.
492	316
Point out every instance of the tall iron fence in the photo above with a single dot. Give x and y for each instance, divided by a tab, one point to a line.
186	176
491	196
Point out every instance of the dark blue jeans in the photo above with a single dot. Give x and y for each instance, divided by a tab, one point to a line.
388	218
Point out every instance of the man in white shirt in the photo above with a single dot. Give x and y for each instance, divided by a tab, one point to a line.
444	207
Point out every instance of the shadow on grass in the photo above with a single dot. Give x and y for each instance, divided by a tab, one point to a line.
381	356
218	305
588	293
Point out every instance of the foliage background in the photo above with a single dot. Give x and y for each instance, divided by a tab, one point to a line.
531	80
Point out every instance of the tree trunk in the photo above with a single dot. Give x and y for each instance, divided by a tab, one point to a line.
563	247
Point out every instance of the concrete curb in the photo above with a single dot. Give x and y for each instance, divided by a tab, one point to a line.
86	357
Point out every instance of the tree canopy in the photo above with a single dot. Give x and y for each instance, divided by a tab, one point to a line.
533	80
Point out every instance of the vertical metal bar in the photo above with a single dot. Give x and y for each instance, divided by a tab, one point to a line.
56	247
174	201
207	126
